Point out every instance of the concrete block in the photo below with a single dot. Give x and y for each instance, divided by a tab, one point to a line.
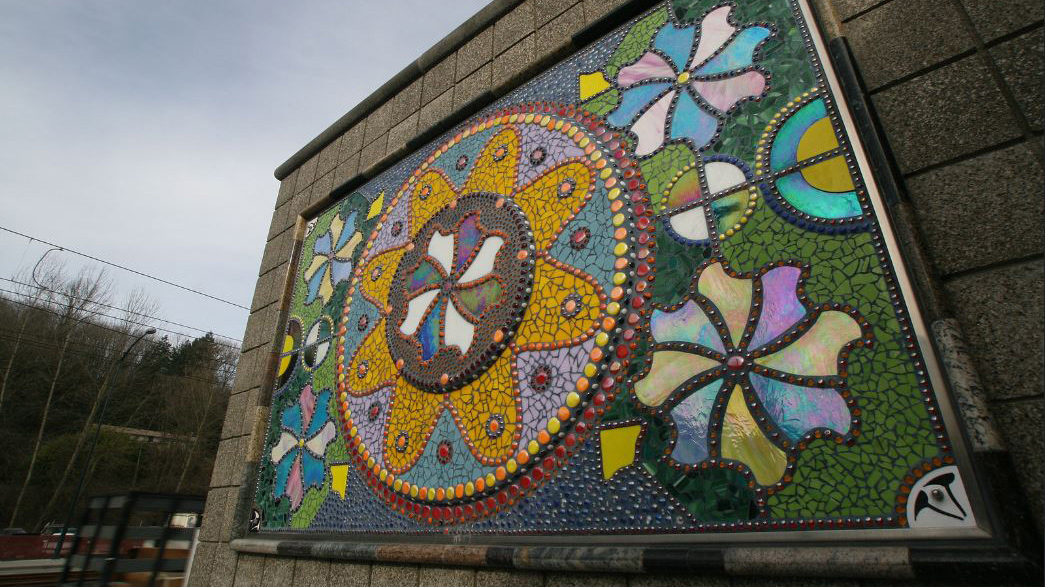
407	101
509	66
328	158
280	220
234	416
213	514
446	577
1021	425
377	123
221	461
513	26
231	517
228	462
677	581
278	572
286	188
250	409
352	141
248	570
1002	315
474	54
506	578
306	174
472	86
590	580
847	9
311	571
248	370
345	574
439	78
1021	63
949	202
435	111
299	203
596	9
545	10
828	17
254	443
925	124
402	132
223	571
372	154
795	582
900	38
503	578
994	18
555	36
276	251
269	288
261	327
392	575
202	561
322	188
346	170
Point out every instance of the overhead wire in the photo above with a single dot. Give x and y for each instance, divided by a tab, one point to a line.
62	293
128	269
101	347
111	317
93	355
92	323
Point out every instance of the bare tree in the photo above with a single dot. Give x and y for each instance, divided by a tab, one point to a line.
220	369
25	314
137	304
72	301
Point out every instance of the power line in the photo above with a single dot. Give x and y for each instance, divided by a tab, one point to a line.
92	323
97	313
153	277
103	347
93	355
122	310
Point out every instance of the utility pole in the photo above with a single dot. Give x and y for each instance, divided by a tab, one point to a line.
94	442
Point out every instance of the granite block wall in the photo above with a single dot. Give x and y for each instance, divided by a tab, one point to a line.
957	86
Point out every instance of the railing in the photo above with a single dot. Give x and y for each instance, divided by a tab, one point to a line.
108	542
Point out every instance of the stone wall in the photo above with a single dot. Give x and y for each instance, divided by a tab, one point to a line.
957	87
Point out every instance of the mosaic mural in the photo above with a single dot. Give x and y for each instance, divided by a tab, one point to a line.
647	292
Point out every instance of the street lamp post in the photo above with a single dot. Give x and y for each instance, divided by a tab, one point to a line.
94	440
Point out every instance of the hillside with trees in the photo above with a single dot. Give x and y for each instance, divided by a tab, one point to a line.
60	348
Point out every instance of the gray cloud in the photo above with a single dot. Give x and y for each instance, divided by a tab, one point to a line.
146	132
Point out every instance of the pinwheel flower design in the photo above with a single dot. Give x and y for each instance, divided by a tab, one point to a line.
689	81
306	430
745	368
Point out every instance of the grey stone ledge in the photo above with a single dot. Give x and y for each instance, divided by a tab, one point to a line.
430	127
965	384
976	559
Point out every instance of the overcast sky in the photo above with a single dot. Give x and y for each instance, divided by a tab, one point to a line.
146	132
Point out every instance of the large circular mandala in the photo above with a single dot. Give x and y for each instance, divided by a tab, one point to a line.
492	314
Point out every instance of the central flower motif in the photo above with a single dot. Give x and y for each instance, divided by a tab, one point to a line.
460	291
482	322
